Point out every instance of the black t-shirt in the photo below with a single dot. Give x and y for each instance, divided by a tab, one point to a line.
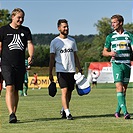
14	43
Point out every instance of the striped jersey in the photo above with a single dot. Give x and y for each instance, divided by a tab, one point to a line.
121	44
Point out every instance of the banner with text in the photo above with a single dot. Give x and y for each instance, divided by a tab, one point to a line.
42	81
104	70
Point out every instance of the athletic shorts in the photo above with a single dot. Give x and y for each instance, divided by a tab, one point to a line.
13	76
121	72
66	80
94	82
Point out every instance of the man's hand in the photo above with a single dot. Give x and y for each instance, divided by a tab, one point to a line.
30	60
51	77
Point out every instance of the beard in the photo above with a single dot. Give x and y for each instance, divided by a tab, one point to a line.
65	33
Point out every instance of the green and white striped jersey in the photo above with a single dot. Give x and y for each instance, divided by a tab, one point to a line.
121	44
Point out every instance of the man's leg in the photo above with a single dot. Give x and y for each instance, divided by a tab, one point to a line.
1	83
25	89
118	109
16	97
21	92
121	97
66	96
11	102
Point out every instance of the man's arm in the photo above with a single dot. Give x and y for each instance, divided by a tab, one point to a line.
77	62
0	47
107	53
30	51
51	65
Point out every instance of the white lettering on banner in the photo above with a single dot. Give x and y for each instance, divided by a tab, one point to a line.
107	69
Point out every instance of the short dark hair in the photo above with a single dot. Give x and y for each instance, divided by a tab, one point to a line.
61	21
119	17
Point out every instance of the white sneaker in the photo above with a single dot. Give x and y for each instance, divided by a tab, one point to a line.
32	88
25	94
39	88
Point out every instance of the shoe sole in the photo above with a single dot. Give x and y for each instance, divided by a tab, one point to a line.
69	118
128	117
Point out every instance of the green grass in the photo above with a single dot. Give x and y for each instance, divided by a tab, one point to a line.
93	113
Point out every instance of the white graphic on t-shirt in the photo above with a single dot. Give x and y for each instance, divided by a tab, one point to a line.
16	43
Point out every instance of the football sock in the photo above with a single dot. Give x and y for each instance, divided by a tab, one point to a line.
121	102
124	99
21	92
25	89
67	112
118	109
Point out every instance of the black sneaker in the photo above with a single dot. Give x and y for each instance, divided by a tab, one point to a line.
117	115
12	118
63	114
69	117
127	116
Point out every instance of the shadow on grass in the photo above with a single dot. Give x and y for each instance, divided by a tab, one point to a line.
94	116
97	116
75	117
39	119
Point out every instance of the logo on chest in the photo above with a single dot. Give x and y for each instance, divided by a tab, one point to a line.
16	42
66	50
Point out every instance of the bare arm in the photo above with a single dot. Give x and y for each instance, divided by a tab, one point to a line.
51	65
77	62
0	47
108	53
30	51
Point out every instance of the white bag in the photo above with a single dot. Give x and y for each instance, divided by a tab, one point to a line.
82	84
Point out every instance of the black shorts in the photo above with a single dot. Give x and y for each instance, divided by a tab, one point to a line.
13	76
94	82
66	80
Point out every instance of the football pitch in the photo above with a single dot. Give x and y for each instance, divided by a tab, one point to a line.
93	113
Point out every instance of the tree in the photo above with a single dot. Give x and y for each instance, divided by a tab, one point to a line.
41	55
5	17
129	27
104	28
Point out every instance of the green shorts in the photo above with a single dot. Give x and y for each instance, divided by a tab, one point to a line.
121	72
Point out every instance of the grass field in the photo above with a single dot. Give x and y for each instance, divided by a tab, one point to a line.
93	113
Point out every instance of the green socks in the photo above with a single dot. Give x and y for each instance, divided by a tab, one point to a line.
21	92
121	103
25	89
118	109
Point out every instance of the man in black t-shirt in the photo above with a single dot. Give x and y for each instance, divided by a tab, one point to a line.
14	39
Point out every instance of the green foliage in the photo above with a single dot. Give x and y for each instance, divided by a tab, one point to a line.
41	55
103	26
4	17
129	27
43	39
